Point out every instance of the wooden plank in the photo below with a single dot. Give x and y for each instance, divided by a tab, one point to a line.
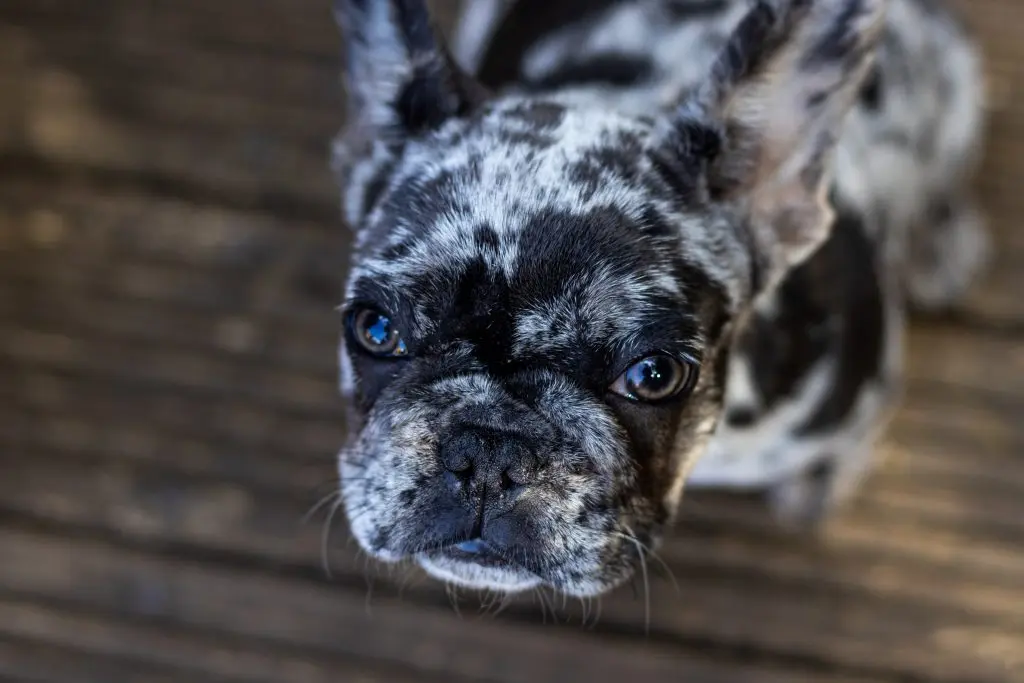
179	370
959	492
158	504
280	77
176	106
303	26
33	637
291	613
959	357
26	661
153	499
939	351
221	438
200	435
288	275
979	447
238	336
946	357
160	507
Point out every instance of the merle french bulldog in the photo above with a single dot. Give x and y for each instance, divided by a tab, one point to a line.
607	249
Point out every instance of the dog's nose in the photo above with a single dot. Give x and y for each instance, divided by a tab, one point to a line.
478	460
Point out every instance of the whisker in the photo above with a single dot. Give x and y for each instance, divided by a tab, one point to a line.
539	592
325	539
319	505
652	554
368	603
453	597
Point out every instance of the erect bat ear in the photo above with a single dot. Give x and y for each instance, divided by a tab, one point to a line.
777	96
401	79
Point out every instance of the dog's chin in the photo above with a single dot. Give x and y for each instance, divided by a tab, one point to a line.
476	575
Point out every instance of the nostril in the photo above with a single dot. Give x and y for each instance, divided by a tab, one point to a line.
520	474
507	482
456	459
462	469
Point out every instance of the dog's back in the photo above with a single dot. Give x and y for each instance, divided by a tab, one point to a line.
816	366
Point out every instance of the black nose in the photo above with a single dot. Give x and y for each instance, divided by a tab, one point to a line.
479	460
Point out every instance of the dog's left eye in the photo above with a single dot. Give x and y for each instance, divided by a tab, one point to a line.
376	334
655	378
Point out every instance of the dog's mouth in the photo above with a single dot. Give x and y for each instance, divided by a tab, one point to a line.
476	551
477	564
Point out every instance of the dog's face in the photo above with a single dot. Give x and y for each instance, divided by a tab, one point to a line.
537	317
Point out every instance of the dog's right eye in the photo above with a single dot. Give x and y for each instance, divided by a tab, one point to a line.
655	379
376	334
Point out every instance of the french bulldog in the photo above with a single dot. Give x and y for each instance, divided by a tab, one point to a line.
605	250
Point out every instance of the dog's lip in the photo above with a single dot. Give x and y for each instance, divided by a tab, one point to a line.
477	551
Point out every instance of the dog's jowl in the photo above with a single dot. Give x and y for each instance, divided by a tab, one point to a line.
606	250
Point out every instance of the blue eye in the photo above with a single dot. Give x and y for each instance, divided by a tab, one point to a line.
655	378
375	333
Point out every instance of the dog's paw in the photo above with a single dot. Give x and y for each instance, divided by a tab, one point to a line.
947	257
803	503
807	501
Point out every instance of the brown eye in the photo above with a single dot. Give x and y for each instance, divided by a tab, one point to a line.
375	333
655	378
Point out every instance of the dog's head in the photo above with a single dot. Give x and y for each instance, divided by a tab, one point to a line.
539	310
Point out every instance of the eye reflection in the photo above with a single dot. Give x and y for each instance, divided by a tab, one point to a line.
375	333
655	378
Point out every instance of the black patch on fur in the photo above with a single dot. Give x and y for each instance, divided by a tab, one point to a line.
397	251
544	116
375	187
871	90
940	210
839	41
426	201
526	138
751	44
527	22
685	156
860	343
436	89
476	303
615	162
832	304
614	69
682	10
741	417
485	238
816	100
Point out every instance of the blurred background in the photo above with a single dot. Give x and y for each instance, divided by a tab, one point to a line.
170	255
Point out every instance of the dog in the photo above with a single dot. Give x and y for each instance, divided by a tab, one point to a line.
607	249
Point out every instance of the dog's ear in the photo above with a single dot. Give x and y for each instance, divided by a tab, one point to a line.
400	77
774	102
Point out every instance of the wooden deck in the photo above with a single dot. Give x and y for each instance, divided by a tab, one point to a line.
169	259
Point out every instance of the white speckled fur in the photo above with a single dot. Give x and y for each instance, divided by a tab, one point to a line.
684	205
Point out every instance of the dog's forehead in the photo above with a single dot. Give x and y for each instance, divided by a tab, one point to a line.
563	280
483	182
548	227
518	155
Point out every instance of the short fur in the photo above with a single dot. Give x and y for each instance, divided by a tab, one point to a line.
757	186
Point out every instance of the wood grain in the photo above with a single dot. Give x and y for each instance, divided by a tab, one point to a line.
170	254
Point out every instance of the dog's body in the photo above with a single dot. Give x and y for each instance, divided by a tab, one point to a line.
652	180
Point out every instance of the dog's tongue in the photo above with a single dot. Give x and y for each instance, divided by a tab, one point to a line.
474	546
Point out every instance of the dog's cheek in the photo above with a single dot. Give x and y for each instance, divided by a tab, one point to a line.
381	474
573	521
